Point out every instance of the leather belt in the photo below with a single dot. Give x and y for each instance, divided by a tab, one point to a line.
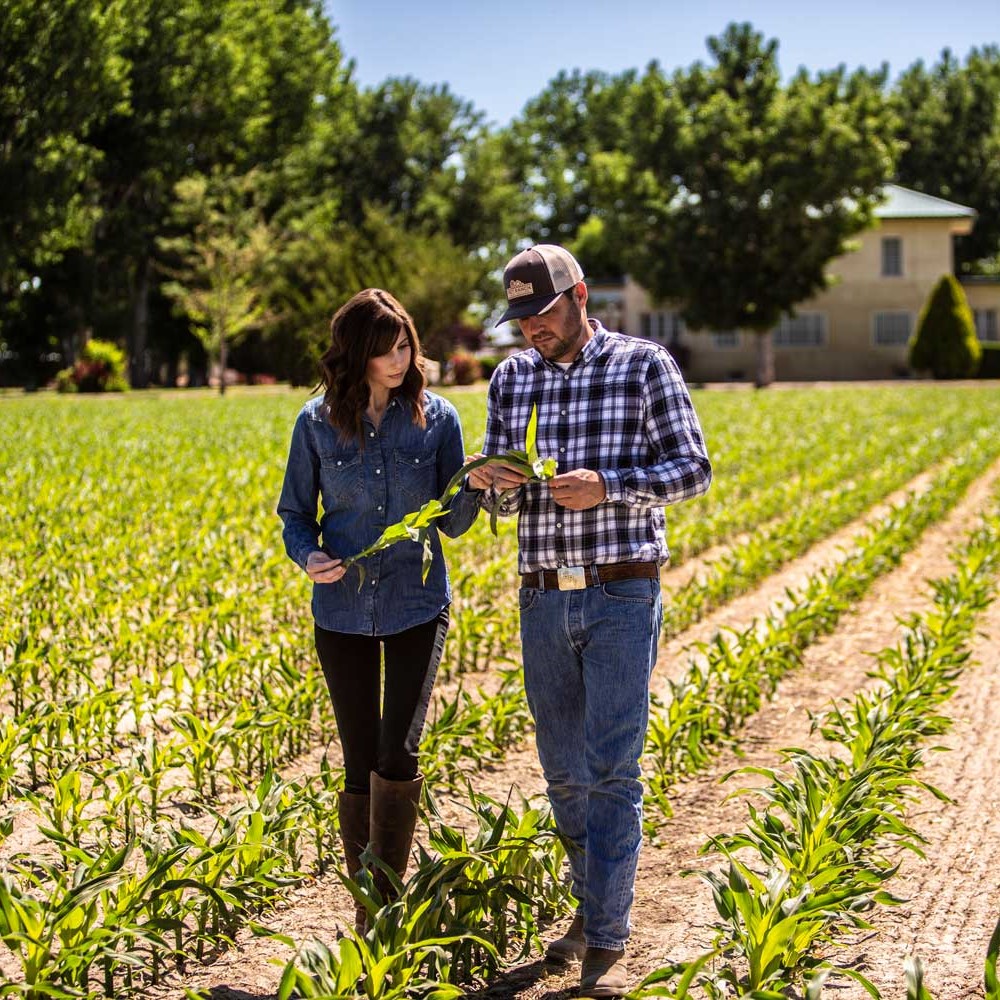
578	577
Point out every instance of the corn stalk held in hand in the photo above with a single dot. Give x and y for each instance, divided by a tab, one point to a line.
416	525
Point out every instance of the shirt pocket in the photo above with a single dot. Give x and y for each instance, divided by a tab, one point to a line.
416	478
341	476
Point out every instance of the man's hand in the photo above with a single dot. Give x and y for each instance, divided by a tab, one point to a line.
580	489
496	474
320	568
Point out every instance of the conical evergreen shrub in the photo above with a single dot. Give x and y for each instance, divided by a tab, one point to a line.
944	341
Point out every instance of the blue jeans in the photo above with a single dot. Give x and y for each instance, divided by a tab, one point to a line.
588	655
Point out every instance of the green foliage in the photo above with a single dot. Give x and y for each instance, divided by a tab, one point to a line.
220	259
465	907
488	364
744	188
989	362
325	261
49	157
949	123
944	342
153	700
99	368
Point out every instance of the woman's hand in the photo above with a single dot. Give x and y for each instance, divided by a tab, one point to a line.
320	568
496	474
481	478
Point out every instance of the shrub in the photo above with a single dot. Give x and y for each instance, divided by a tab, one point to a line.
944	341
99	368
989	364
465	368
488	365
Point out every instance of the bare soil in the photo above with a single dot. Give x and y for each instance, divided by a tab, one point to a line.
953	893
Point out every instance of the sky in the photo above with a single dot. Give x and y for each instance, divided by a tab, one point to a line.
499	55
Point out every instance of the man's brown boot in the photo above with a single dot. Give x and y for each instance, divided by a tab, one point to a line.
393	820
570	947
353	809
604	973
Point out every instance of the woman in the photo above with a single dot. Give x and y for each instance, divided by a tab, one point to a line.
375	447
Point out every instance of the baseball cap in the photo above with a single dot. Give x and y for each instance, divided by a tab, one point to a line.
535	278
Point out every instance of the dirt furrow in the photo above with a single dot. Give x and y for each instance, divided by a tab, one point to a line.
953	893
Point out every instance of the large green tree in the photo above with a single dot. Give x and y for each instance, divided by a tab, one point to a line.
61	73
562	135
230	84
949	122
737	190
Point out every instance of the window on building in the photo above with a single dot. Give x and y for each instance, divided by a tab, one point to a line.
892	257
725	339
664	326
804	330
987	327
892	329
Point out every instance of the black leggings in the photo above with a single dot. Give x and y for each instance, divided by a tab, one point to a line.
385	742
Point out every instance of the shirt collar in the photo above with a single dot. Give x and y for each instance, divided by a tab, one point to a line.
588	352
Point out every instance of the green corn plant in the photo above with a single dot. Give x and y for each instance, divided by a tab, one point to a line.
453	920
990	978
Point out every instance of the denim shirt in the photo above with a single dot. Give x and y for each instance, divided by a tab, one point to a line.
401	467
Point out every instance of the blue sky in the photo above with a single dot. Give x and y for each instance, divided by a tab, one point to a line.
500	54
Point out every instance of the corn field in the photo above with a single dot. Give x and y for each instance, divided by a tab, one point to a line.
169	766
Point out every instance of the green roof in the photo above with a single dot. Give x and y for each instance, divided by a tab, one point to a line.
904	203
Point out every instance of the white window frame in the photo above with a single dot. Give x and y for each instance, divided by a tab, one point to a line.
726	340
662	326
898	259
895	314
789	332
987	325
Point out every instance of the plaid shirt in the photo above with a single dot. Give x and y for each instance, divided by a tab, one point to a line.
621	409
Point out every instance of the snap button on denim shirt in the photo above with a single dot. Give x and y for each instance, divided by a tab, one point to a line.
401	467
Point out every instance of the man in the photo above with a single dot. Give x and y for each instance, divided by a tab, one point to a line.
615	413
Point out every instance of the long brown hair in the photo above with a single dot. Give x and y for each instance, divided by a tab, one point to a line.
364	327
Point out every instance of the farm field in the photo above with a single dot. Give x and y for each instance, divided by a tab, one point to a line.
169	767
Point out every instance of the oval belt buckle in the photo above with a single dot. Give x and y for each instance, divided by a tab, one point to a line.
571	577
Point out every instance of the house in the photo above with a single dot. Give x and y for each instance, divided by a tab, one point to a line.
857	328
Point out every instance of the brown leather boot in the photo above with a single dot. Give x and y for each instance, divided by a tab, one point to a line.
393	820
354	812
570	947
603	974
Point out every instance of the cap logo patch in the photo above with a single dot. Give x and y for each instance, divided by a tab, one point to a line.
518	289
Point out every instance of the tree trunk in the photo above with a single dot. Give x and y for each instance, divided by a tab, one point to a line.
138	362
222	363
765	359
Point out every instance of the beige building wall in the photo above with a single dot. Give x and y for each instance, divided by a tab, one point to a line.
847	312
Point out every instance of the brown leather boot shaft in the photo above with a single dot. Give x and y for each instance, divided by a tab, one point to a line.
393	820
354	811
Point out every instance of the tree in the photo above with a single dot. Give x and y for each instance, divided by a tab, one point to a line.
217	280
60	76
232	84
944	342
327	261
561	134
738	191
949	124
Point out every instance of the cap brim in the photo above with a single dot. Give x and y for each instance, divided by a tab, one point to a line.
529	307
